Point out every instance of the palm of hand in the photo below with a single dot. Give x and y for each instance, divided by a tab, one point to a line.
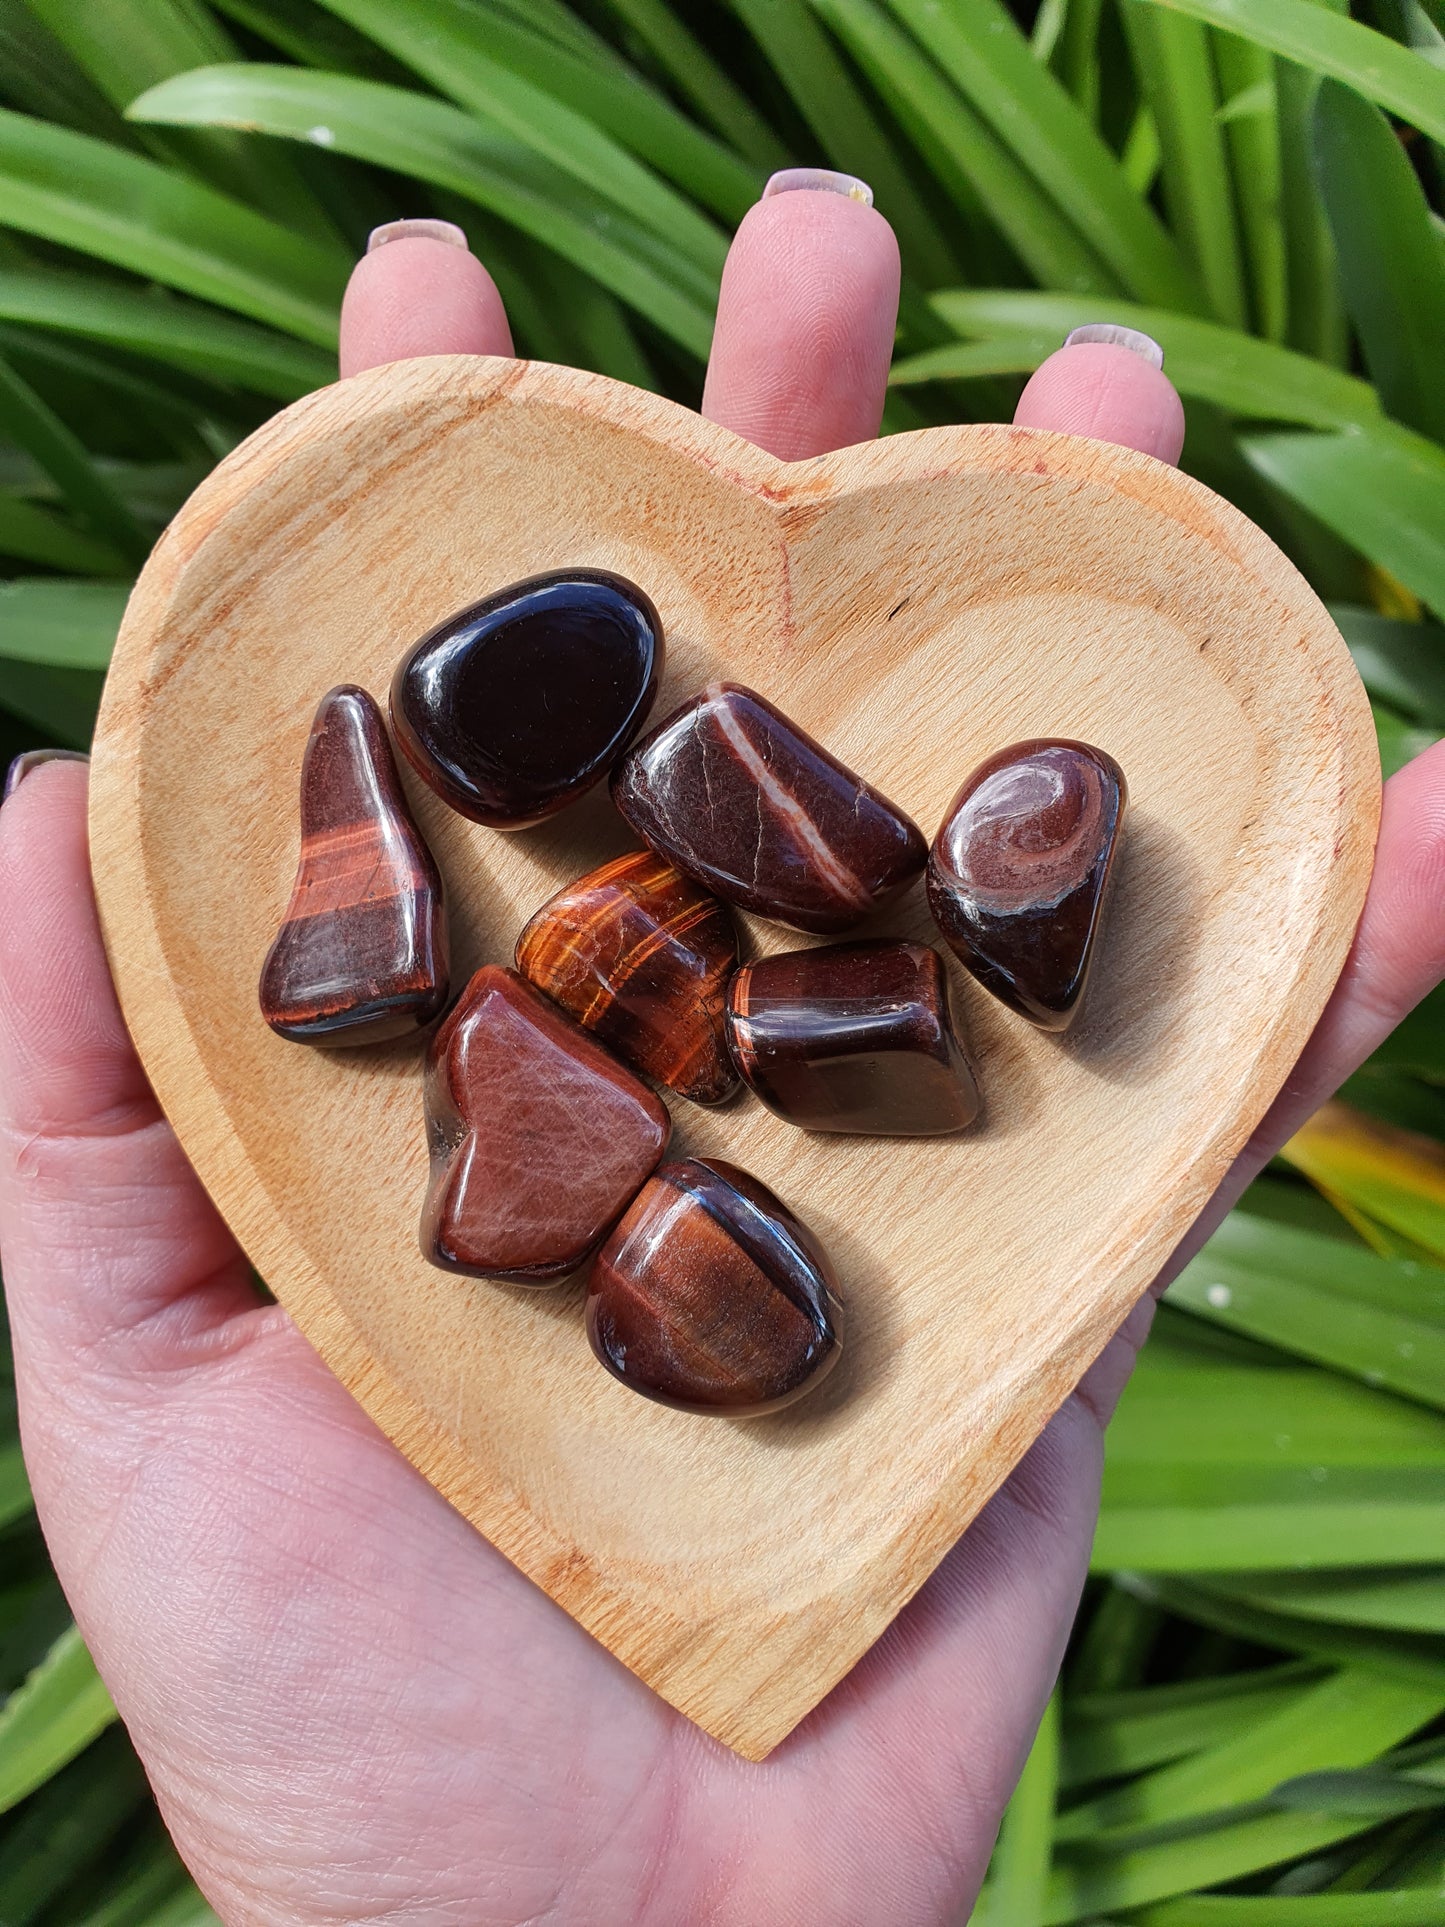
350	1705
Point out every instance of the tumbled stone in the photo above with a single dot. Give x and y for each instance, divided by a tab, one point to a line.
517	705
362	953
539	1139
855	1037
712	1297
740	798
640	955
1020	869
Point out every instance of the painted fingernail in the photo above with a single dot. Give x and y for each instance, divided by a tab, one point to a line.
1138	343
421	229
32	759
817	180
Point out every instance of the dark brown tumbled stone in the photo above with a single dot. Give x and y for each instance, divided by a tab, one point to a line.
711	1296
1020	870
854	1037
640	956
539	1138
361	955
742	799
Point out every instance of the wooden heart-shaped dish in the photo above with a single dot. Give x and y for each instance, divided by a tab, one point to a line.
915	604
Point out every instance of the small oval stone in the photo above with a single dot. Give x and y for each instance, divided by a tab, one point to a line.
539	1138
514	707
853	1037
710	1296
640	955
361	955
739	797
1020	869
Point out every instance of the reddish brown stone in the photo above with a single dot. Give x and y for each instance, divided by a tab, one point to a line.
853	1037
1020	869
740	798
362	953
539	1138
711	1296
640	956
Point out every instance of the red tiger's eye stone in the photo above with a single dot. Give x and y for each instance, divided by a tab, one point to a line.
362	953
853	1037
711	1296
1019	872
740	798
640	956
539	1138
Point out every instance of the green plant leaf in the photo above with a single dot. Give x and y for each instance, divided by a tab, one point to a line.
1252	147
1404	1600
701	80
36	428
1397	1177
1330	43
439	143
88	195
1377	486
67	1825
1417	1908
1019	1872
983	53
1109	1735
1205	360
68	625
1391	265
29	533
1400	663
51	1718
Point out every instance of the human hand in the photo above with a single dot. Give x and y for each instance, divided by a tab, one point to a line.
351	1707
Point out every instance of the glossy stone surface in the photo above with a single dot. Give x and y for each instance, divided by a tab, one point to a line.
362	953
1020	870
539	1139
640	955
515	706
743	800
712	1297
854	1037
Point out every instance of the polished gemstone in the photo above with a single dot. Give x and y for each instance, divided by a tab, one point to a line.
362	953
640	955
711	1296
514	707
539	1138
741	799
1019	872
853	1037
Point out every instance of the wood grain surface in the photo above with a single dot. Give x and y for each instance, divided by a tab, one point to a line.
916	604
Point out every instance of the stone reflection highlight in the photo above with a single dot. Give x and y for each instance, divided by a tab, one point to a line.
361	955
1020	870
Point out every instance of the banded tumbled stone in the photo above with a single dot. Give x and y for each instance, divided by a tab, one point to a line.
640	955
744	801
854	1037
711	1296
539	1138
1020	870
517	705
361	955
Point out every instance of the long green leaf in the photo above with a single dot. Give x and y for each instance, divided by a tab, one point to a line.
1252	145
979	47
59	1710
1406	1601
1328	43
439	143
1316	319
1402	663
1391	265
1108	1735
1019	1872
88	195
1408	1908
59	705
36	428
702	80
448	48
67	1826
1205	360
69	625
1379	487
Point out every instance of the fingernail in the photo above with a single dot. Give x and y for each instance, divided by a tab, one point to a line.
32	759
817	180
421	229
1138	343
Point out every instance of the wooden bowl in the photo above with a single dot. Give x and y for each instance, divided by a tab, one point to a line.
915	603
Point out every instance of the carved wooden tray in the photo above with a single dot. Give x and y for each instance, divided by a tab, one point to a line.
915	603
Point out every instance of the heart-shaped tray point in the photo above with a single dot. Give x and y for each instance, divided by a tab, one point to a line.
915	604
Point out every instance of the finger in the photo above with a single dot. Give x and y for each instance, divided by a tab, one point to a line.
104	1228
805	318
1112	390
418	290
1398	957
